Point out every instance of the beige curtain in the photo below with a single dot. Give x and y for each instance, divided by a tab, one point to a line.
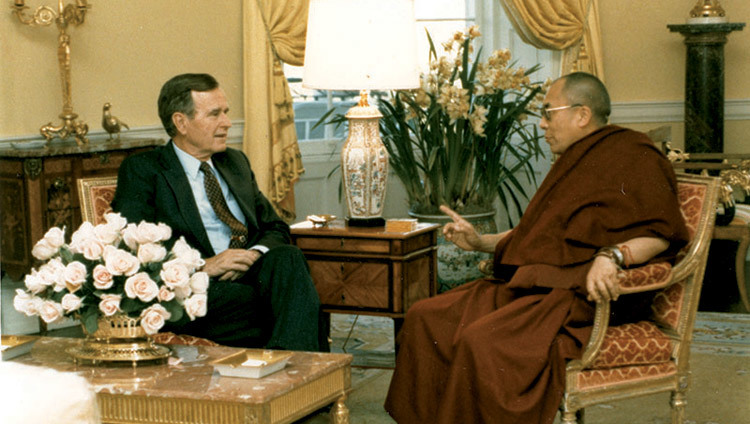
568	25
274	32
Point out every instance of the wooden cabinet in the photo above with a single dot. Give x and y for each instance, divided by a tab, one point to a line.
38	191
368	271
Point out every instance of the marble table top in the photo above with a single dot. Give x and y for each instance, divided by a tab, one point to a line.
188	374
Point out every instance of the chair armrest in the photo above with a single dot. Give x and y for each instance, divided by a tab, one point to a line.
646	278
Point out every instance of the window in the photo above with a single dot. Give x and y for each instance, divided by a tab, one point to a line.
441	18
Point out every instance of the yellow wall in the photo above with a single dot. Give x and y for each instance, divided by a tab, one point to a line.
122	54
644	61
126	49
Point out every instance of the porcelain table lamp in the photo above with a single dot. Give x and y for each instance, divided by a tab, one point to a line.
362	45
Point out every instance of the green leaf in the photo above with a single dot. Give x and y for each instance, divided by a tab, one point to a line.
175	309
90	320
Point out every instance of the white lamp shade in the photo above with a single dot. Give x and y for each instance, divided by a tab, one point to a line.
361	45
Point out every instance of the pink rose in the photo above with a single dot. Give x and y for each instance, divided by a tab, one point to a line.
129	236
141	286
53	272
86	242
35	282
26	303
84	232
183	293
115	220
71	302
174	274
196	306
49	245
110	304
190	257
151	252
50	311
199	282
153	318
148	232
120	262
102	277
165	295
106	233
75	275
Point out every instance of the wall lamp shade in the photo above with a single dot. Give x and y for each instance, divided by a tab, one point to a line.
362	45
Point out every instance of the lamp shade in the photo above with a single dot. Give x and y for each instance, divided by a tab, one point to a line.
361	45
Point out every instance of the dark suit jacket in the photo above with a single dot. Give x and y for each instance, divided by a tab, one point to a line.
153	187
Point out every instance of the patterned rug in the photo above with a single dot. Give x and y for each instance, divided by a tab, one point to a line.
721	334
370	339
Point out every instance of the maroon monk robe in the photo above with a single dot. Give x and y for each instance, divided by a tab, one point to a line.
494	350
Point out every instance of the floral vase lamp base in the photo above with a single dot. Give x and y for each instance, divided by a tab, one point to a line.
119	340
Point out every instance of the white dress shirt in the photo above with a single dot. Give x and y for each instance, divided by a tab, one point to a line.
219	233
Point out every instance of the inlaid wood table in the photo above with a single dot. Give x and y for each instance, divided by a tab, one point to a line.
189	390
368	270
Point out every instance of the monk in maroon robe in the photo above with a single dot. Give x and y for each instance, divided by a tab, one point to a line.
494	350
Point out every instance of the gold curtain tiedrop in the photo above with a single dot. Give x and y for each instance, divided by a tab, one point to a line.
571	26
274	32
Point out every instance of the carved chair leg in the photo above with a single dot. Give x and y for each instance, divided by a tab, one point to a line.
572	417
679	401
340	413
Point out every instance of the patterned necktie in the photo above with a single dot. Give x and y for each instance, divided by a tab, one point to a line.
213	191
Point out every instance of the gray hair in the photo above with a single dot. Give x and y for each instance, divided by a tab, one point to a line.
176	96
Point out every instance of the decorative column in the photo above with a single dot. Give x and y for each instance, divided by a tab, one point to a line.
704	84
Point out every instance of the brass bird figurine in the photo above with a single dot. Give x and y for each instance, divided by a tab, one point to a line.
110	123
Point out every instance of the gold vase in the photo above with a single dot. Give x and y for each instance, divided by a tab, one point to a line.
119	340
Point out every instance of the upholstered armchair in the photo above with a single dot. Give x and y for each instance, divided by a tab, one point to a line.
95	195
649	356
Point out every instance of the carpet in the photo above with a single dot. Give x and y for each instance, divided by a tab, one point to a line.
719	391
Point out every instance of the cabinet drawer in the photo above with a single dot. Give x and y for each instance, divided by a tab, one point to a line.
352	284
343	244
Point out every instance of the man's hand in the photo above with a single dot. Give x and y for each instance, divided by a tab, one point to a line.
602	281
230	264
460	231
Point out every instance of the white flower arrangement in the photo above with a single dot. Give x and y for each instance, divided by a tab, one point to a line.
114	268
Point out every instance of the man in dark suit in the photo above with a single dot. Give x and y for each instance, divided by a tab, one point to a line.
261	293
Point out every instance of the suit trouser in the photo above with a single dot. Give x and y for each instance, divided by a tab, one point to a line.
274	305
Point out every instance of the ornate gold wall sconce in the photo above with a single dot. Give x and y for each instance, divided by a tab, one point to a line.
65	15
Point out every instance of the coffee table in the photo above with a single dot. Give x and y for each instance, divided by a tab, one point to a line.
188	390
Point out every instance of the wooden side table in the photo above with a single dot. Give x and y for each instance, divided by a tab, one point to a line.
741	234
368	271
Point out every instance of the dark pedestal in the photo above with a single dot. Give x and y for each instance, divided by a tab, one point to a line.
704	84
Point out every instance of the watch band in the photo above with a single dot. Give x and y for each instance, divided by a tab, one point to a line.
612	252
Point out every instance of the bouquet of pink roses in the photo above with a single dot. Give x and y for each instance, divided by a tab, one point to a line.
114	268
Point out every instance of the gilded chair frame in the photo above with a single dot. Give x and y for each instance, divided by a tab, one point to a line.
689	270
87	188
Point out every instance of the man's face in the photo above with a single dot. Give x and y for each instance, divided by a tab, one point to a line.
206	133
560	129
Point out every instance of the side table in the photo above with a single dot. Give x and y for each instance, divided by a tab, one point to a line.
368	271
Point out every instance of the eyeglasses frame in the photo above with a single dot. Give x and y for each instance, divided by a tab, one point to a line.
545	112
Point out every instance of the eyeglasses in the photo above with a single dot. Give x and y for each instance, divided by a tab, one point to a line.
545	112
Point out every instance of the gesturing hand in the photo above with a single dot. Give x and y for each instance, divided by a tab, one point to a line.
460	232
231	263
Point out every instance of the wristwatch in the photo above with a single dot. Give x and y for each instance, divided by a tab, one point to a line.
612	252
